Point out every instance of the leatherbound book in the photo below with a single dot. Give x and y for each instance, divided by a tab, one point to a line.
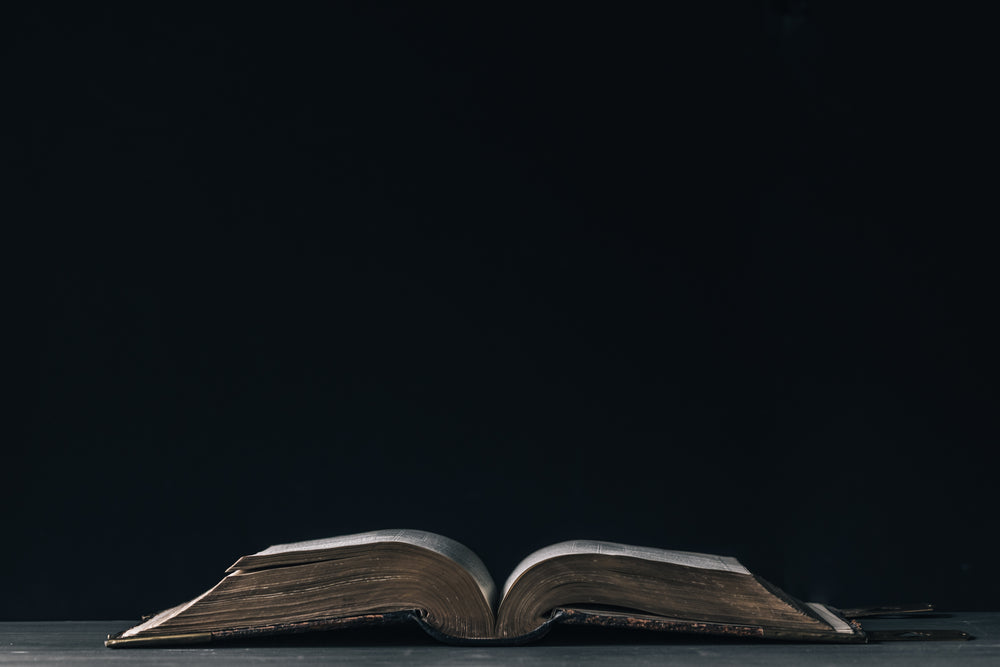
410	576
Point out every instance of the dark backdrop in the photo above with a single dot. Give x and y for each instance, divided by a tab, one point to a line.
714	277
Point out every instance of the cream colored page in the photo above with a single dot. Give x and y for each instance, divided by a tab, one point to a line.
438	543
686	558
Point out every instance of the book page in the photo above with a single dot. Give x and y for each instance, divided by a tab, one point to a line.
445	546
686	558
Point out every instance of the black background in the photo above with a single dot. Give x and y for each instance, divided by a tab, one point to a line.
713	277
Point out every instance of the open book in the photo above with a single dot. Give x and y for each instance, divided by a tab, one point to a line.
409	575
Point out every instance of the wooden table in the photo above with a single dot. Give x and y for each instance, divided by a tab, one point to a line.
81	643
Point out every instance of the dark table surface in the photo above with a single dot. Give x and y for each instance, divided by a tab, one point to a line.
81	643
